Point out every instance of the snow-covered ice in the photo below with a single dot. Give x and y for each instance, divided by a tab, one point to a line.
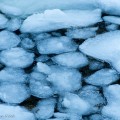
5	37
82	33
16	57
43	68
92	95
13	93
103	77
40	88
56	45
74	104
65	80
112	19
112	109
3	21
13	24
56	19
37	6
105	47
45	108
27	43
112	27
71	59
8	112
13	75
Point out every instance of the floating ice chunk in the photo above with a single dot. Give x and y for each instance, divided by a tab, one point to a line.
45	108
112	109
43	68
103	77
16	57
111	7
14	24
67	116
43	58
10	10
95	65
3	21
112	27
37	6
71	59
64	79
74	104
8	40
56	45
112	19
40	89
81	33
13	75
27	43
13	93
15	113
105	47
38	76
98	117
57	19
92	95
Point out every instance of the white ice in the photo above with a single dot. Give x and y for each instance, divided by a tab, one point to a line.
45	108
13	75
64	79
71	59
56	45
56	19
13	24
82	33
8	40
3	21
112	109
16	57
13	93
33	6
103	77
105	47
9	112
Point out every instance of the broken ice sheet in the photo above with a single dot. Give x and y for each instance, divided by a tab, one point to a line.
105	47
56	19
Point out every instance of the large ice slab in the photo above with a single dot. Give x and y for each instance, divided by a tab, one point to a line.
57	19
9	112
3	21
33	6
105	47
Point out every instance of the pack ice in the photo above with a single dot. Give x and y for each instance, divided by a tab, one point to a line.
104	47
